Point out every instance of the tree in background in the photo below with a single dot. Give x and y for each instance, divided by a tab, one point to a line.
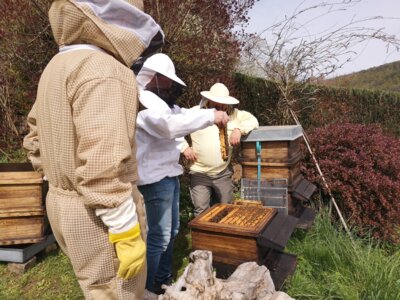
200	38
26	45
292	55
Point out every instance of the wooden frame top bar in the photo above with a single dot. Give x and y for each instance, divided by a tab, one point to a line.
234	219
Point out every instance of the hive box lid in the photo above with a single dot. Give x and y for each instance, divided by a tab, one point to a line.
274	133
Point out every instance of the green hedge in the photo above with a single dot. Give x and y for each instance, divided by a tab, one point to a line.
331	105
259	97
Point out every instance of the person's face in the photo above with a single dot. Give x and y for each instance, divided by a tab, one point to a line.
165	88
161	86
160	82
218	106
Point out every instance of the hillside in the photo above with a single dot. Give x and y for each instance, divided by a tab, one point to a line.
385	77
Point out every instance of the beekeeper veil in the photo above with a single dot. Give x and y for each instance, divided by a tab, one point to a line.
161	64
118	27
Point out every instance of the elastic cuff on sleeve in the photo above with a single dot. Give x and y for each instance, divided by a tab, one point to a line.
132	233
212	117
184	147
119	219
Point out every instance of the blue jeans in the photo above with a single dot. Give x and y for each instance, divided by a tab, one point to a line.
162	208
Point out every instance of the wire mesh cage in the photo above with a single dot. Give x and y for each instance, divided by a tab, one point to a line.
271	193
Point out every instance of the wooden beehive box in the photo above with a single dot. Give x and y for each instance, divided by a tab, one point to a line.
231	232
22	213
280	153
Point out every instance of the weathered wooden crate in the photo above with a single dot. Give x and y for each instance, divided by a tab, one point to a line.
280	153
22	213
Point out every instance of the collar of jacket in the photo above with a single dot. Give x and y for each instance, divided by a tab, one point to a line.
65	49
152	101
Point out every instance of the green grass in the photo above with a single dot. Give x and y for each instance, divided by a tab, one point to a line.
51	278
13	157
330	267
182	249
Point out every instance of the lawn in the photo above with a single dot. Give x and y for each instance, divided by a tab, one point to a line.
53	278
329	267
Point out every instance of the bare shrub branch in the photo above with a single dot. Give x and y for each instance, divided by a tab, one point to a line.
286	55
6	108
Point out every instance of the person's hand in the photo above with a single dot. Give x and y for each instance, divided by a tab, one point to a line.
189	154
131	251
220	118
235	137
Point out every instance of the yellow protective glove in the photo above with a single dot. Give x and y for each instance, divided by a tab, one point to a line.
131	251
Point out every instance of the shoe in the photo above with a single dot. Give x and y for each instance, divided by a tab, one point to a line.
149	295
158	287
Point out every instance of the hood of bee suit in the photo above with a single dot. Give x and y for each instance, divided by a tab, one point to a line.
118	27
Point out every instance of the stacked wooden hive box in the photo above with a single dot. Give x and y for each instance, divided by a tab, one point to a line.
273	155
236	234
22	213
258	226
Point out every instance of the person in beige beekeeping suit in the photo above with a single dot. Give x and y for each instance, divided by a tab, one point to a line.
211	150
82	137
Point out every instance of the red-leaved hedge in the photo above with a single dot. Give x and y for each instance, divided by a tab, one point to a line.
362	166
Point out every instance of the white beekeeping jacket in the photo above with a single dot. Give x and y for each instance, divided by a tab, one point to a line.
160	132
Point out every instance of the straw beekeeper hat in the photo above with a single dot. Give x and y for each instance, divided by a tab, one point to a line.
219	93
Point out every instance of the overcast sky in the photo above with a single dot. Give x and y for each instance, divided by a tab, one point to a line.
267	12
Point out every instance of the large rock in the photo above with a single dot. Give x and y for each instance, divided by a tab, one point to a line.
198	282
